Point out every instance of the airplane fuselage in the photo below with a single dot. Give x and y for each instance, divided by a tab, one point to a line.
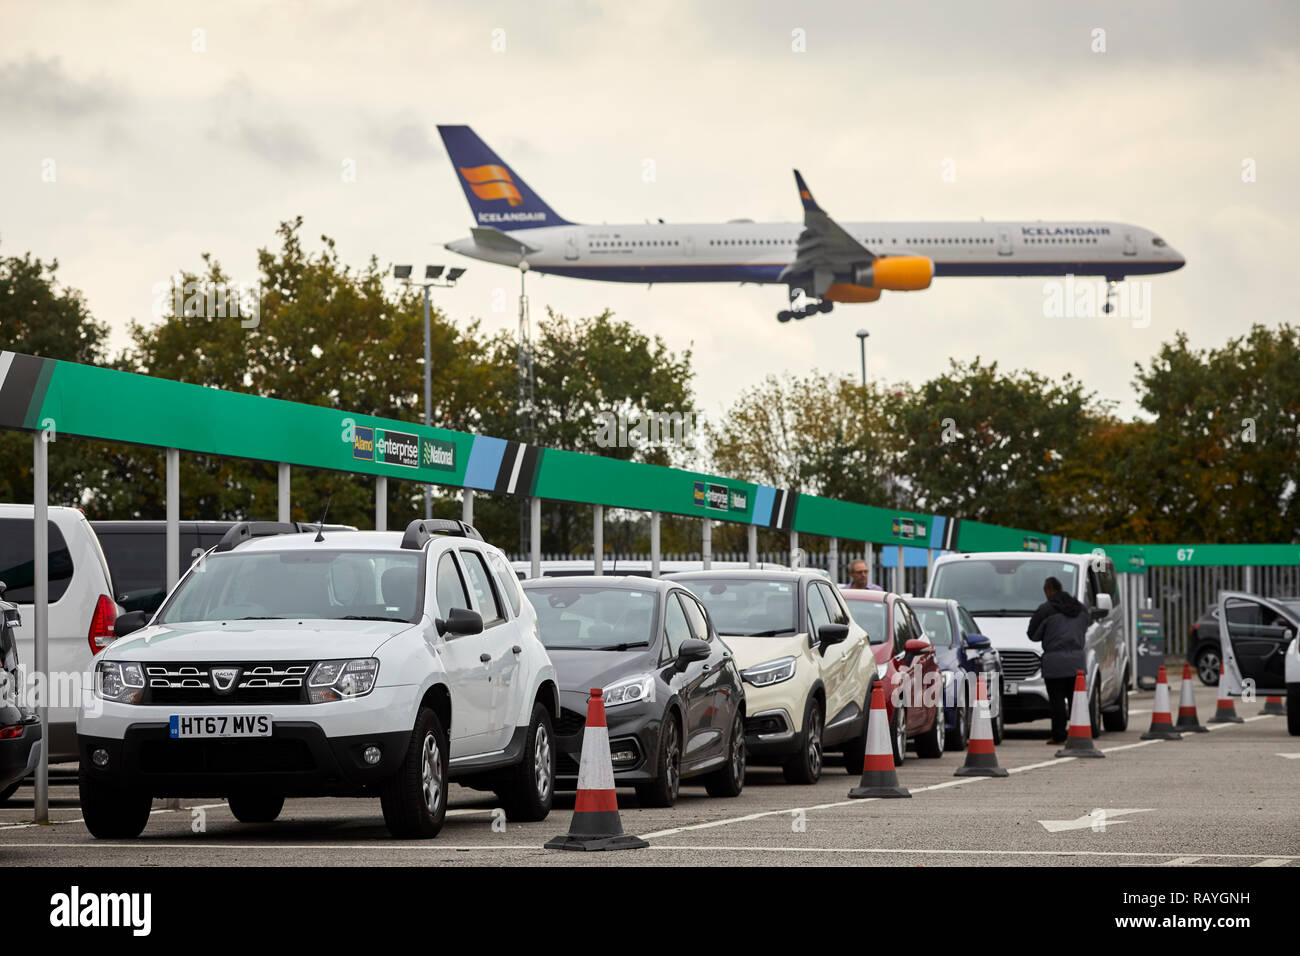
758	252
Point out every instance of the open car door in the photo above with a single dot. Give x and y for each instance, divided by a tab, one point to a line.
1254	633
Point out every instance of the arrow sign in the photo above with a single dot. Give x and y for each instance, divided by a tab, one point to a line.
1096	820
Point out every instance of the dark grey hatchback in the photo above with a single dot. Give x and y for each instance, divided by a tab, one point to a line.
674	702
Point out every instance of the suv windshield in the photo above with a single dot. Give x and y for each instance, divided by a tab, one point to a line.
317	585
593	618
747	608
1001	586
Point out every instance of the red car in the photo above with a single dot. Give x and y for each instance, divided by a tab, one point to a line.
913	679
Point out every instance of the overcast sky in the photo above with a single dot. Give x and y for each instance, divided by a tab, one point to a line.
161	153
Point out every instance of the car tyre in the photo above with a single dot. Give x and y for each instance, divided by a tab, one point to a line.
855	751
729	779
1293	710
1207	666
255	807
930	744
1094	707
960	732
414	799
112	813
9	791
662	790
528	789
898	735
999	724
805	767
1117	720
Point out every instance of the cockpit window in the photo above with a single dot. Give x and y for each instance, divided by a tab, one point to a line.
1157	241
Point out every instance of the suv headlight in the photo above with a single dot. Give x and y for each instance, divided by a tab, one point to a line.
630	690
119	681
773	672
337	680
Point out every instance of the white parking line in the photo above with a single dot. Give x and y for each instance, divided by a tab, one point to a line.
1182	861
1266	859
960	781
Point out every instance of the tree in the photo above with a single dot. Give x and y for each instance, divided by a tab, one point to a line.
1227	438
39	316
980	444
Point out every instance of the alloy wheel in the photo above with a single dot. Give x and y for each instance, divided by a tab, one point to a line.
431	773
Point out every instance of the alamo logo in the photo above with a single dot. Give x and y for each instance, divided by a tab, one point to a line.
438	454
397	448
363	443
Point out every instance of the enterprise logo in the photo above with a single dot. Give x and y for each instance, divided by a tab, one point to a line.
397	448
492	182
715	497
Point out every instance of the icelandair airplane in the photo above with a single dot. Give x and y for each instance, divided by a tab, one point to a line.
821	261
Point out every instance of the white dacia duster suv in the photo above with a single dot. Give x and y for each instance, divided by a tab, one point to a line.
289	662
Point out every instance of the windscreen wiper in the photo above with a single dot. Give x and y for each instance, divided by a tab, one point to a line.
622	647
784	630
371	617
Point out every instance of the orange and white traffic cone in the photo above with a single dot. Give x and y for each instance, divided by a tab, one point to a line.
1188	722
1225	712
1078	742
981	757
596	824
1162	721
879	778
1274	705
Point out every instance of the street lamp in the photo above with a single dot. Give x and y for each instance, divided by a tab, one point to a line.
433	278
862	339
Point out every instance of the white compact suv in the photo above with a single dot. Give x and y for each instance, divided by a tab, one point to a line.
352	663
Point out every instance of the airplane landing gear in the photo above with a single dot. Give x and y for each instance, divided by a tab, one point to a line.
801	306
1109	306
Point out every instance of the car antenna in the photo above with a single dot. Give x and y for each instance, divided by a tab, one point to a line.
320	528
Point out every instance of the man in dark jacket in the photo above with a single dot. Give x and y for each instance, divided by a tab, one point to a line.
1061	625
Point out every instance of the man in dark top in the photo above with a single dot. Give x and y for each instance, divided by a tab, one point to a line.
1061	625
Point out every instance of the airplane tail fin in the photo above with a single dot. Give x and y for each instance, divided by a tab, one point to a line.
498	196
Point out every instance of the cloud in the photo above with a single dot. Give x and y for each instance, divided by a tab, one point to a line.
43	88
408	142
253	123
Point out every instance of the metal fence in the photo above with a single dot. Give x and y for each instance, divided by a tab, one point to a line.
1182	593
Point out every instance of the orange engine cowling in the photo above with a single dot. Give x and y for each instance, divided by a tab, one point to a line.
897	274
848	292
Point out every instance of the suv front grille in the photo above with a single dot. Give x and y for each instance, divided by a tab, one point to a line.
1020	665
258	682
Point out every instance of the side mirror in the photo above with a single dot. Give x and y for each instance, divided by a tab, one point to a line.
978	641
692	650
130	622
459	621
829	634
1104	603
918	646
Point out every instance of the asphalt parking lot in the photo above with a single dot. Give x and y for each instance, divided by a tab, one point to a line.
1226	798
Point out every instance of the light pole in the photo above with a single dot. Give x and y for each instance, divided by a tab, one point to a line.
862	339
433	278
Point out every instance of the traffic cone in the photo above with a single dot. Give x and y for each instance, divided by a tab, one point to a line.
1188	722
981	758
1078	742
1274	705
1162	723
596	824
879	778
1226	711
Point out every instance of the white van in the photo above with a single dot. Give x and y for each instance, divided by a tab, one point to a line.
1001	590
82	607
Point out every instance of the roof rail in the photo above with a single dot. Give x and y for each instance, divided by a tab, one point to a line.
421	530
247	530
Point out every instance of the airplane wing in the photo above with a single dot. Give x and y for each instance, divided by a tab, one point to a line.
825	248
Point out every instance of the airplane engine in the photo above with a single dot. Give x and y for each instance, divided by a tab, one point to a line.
896	273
